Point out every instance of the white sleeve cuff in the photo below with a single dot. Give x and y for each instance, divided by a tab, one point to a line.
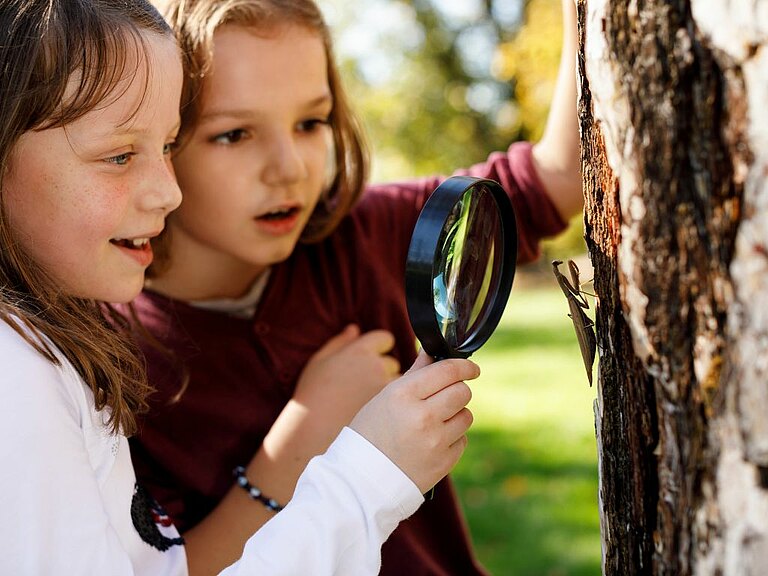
354	453
346	504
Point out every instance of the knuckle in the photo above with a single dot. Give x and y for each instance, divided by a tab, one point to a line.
423	424
433	442
399	392
423	427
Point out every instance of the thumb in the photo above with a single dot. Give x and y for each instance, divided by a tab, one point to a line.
422	360
336	343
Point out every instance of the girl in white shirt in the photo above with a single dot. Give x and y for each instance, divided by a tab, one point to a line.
88	115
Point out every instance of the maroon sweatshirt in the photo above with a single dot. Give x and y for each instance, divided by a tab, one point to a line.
243	371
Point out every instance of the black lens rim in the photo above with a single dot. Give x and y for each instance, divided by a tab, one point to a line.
421	259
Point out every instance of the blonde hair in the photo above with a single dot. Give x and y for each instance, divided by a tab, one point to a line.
45	44
196	21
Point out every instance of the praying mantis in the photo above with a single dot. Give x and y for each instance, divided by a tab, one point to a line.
577	302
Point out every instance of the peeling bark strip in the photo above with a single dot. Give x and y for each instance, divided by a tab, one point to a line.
625	406
738	32
683	248
661	100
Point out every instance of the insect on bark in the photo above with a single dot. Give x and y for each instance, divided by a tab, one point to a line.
577	302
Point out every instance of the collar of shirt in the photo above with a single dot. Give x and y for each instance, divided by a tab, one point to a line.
242	307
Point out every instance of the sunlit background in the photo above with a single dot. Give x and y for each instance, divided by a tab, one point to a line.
439	84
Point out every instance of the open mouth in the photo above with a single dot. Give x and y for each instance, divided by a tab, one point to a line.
281	214
133	244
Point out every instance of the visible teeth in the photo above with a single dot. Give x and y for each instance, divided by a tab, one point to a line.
134	243
279	212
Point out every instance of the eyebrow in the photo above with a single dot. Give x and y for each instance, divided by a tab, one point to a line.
245	113
129	128
94	140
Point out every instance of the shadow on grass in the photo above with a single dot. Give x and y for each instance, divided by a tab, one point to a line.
531	504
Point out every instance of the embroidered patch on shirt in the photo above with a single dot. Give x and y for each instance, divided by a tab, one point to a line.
149	519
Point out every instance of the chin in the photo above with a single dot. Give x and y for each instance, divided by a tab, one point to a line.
281	255
119	294
274	255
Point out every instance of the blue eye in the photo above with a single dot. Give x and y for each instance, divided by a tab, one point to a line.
120	159
230	137
169	147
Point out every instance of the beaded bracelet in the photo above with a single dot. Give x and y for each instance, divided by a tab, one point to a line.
253	492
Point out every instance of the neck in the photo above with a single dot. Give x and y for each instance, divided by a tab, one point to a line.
195	287
204	274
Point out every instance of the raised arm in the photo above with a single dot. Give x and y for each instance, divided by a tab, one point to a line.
556	155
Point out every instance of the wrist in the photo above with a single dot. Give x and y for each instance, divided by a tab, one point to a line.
255	493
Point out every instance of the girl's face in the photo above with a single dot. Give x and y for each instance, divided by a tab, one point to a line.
254	167
83	200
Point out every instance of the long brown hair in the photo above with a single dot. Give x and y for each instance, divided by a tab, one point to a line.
196	21
44	44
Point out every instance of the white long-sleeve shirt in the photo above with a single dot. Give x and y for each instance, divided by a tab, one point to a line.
69	503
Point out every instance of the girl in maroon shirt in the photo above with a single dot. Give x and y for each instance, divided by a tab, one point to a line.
280	285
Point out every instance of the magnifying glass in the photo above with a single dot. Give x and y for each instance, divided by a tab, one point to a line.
460	267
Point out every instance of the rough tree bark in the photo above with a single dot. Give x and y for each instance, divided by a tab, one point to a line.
673	110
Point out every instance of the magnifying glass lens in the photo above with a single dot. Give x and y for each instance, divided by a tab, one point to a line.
466	277
460	266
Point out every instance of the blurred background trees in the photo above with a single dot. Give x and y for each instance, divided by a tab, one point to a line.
439	84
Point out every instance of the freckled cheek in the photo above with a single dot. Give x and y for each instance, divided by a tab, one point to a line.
37	212
104	208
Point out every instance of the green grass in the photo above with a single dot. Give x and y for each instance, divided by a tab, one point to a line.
528	479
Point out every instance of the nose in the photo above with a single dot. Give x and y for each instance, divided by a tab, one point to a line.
284	163
162	192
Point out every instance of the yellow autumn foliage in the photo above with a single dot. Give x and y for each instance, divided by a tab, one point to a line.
531	60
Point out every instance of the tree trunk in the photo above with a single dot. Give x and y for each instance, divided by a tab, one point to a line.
675	159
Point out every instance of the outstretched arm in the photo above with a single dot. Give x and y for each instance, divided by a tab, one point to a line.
556	155
350	499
